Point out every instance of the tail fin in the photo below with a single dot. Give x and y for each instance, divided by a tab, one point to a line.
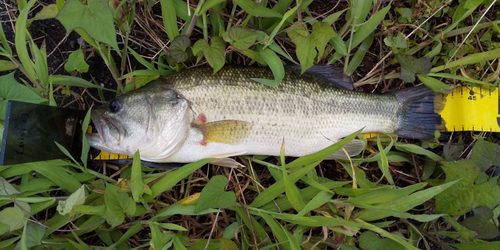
419	114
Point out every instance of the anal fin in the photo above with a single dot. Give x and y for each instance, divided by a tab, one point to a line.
230	132
353	148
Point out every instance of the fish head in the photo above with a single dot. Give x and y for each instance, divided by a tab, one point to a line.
152	120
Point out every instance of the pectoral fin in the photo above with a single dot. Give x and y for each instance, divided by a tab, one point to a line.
353	148
228	132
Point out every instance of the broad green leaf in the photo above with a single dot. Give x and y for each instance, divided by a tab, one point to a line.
359	55
136	184
370	241
382	232
169	17
166	184
15	217
405	13
32	236
411	66
485	154
257	9
465	196
435	84
7	65
310	46
274	62
214	53
241	38
47	12
480	223
214	196
76	198
227	244
178	48
398	42
76	61
320	35
6	188
95	18
117	204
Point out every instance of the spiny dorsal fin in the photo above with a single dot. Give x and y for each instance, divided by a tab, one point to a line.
229	132
327	73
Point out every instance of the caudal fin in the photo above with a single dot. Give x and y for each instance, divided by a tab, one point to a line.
419	114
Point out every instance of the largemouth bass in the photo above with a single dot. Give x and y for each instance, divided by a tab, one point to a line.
195	114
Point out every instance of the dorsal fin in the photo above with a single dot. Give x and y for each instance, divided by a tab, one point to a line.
327	73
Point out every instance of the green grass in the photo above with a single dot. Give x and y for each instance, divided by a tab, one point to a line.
398	194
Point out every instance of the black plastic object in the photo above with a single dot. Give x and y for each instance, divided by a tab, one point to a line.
31	130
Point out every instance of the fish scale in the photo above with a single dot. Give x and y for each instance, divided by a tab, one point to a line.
198	114
303	111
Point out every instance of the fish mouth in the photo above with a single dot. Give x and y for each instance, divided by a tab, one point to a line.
103	124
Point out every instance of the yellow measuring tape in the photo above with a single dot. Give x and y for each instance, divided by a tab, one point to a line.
466	109
472	109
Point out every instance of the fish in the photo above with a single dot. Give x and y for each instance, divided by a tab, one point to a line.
195	114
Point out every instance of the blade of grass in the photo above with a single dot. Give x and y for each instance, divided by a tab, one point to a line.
61	178
277	230
386	234
169	18
470	59
320	155
136	184
402	204
384	163
20	43
318	200
173	178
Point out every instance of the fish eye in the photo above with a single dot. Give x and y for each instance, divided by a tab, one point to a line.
115	106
